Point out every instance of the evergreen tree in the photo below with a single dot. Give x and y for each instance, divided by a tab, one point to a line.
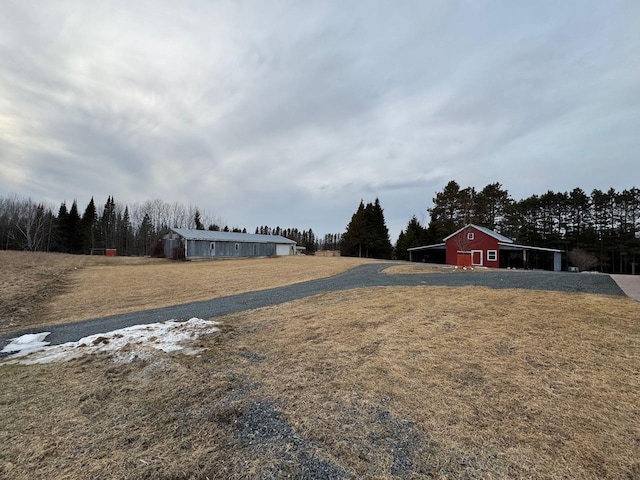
379	244
448	213
367	233
145	235
579	223
67	227
125	233
87	226
491	206
107	224
414	236
198	221
73	229
355	236
62	234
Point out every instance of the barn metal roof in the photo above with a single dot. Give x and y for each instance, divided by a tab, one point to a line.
436	246
513	246
212	236
488	231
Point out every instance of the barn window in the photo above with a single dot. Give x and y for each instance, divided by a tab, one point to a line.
492	255
237	246
470	236
212	246
255	249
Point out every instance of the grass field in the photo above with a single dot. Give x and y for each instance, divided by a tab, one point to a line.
44	289
387	382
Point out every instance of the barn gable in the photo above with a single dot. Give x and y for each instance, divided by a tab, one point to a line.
484	230
474	246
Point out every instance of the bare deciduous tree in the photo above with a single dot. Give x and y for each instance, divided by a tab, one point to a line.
34	223
582	259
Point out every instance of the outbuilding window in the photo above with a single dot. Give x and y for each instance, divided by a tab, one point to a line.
492	255
237	246
470	236
212	246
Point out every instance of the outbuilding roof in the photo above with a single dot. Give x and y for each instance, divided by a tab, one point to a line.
218	236
491	233
437	246
513	246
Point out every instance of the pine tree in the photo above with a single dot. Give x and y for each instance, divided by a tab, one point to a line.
125	233
448	213
355	236
380	245
414	236
145	235
107	224
198	221
87	226
73	229
367	233
491	206
62	234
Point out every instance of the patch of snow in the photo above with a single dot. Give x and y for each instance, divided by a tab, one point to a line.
125	345
26	344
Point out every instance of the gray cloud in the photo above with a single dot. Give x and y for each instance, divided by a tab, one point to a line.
289	113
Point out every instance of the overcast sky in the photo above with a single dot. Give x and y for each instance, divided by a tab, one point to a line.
288	113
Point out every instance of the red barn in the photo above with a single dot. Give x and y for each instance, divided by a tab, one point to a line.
474	246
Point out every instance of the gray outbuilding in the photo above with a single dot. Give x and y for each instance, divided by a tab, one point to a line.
198	244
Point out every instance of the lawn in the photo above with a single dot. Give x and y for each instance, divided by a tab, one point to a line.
387	382
44	289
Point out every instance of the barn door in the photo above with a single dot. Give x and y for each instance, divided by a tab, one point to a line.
476	257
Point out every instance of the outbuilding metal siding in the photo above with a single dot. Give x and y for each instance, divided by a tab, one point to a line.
209	244
199	248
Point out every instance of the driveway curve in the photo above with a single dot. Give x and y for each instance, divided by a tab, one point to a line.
370	275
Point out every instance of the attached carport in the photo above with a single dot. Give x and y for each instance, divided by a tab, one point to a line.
527	257
436	253
511	256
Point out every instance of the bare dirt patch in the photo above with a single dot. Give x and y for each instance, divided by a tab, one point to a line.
418	268
41	289
389	382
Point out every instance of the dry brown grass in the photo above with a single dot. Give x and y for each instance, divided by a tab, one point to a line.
45	289
28	281
388	382
327	253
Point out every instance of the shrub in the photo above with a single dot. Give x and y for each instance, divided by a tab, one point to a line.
582	259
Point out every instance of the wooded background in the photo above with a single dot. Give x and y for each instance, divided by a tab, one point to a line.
602	227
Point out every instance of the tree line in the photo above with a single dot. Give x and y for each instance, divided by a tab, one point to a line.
304	238
602	224
135	230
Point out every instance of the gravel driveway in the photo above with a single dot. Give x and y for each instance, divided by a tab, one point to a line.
363	276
